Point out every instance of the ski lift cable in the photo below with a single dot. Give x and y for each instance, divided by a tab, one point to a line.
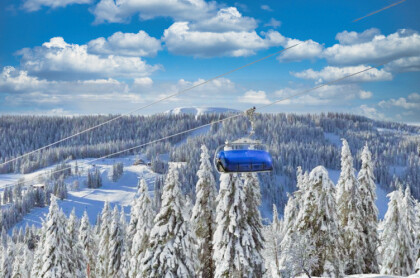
243	113
380	10
148	105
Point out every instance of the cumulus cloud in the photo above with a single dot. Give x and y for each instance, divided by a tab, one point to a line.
126	44
332	73
349	38
60	60
308	49
180	39
123	10
404	64
18	80
35	5
227	19
404	43
411	102
255	97
327	95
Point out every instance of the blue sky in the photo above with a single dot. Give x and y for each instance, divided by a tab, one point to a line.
66	57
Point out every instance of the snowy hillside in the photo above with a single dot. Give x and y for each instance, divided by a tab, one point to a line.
200	110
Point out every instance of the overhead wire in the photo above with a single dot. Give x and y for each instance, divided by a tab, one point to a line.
209	124
148	105
380	10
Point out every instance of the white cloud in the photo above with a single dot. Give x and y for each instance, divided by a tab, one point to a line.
305	50
326	95
404	43
18	80
332	73
349	38
143	82
404	64
227	19
255	97
35	5
273	23
370	112
411	102
126	44
266	8
180	39
123	10
61	60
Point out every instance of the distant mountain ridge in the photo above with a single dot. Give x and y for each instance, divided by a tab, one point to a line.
200	110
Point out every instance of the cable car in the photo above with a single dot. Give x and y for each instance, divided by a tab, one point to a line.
243	156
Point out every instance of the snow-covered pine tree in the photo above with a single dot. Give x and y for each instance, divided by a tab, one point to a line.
102	263
172	248
232	240
23	262
367	191
350	214
252	202
37	262
56	261
203	215
318	217
134	217
390	237
125	259
144	225
6	264
116	246
88	246
78	265
408	208
273	237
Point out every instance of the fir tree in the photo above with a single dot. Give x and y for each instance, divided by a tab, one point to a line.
116	246
203	215
233	240
253	201
102	264
88	246
317	217
6	263
78	265
273	238
172	251
144	224
366	181
350	214
409	242
55	257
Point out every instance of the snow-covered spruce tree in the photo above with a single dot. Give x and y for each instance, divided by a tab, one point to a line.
144	225
273	237
252	202
23	262
37	262
6	263
418	236
56	261
317	216
116	246
408	208
125	260
232	240
88	246
172	248
392	252
350	214
367	191
102	263
78	265
134	216
203	215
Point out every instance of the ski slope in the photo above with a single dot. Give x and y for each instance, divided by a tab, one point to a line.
120	193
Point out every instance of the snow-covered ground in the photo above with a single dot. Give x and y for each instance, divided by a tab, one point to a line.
200	110
119	193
